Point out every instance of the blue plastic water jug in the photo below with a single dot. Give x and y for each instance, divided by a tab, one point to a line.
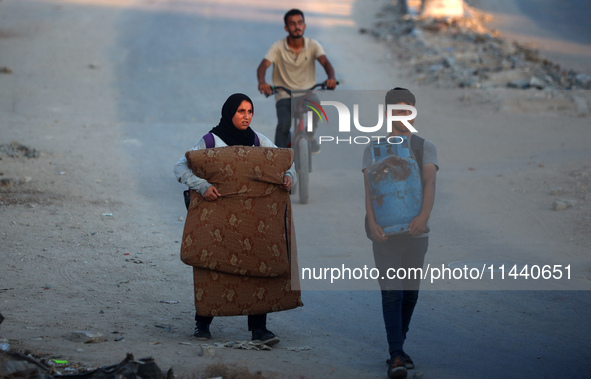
395	185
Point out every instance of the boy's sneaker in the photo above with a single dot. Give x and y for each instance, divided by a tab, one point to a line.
397	368
265	336
202	331
408	362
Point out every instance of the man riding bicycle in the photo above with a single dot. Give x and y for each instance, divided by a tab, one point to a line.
294	67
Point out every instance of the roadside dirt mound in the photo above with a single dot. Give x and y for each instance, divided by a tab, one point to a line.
464	53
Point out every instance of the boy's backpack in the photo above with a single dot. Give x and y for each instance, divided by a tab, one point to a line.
416	145
210	143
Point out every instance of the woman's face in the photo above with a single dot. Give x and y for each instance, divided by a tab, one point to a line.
243	116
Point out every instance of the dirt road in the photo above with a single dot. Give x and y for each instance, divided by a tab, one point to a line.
111	94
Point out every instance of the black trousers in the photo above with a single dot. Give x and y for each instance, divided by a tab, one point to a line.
284	113
254	321
399	297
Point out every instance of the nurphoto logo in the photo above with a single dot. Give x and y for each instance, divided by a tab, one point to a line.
316	110
357	112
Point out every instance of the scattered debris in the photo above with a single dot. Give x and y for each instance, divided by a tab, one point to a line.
228	371
247	345
206	351
16	150
581	106
562	204
87	337
300	348
6	182
14	365
463	52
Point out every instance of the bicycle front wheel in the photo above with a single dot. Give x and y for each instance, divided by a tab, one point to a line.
304	169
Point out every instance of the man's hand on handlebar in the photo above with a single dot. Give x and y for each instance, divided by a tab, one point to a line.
331	83
328	84
265	89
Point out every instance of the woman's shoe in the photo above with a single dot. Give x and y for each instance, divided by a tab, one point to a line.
265	336
202	331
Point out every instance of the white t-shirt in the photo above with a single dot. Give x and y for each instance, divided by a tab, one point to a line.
291	70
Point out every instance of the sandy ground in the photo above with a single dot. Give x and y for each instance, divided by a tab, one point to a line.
81	251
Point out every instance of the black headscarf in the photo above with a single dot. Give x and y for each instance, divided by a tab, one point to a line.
226	129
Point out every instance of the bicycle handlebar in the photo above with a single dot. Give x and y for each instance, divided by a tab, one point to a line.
276	89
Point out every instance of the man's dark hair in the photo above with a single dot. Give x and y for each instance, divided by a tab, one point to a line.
293	12
400	95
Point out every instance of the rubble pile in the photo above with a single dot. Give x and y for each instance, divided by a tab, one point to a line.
15	365
464	53
15	188
17	150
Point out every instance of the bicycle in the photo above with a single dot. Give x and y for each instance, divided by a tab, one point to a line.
300	142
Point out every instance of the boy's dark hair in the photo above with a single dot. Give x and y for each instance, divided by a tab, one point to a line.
400	95
293	12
